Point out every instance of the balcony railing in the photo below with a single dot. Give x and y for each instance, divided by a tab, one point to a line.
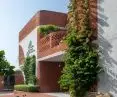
50	41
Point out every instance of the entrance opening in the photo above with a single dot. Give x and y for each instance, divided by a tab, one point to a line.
9	82
50	73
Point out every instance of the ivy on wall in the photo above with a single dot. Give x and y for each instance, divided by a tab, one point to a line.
81	58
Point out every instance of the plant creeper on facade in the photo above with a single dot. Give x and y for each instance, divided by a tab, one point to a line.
81	58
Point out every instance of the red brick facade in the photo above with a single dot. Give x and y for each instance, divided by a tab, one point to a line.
49	76
21	56
51	43
29	26
47	71
93	16
19	79
41	18
1	82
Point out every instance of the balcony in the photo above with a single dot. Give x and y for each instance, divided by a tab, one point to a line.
51	43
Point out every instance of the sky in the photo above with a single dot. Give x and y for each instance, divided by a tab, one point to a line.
14	14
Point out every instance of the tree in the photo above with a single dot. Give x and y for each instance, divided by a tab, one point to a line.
29	70
5	68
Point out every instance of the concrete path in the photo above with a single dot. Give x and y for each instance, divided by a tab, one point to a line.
59	94
27	95
5	93
36	95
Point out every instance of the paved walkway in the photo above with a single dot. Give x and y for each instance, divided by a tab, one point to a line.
5	93
27	95
35	95
59	94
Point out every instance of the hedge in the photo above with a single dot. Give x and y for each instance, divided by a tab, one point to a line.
27	88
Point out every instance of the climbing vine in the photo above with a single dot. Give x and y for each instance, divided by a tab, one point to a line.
81	58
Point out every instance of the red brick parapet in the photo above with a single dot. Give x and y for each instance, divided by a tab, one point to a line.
43	17
29	27
51	43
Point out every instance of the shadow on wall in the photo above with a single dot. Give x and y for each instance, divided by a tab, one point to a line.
108	78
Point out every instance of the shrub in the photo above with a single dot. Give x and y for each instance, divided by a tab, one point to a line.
27	88
46	29
29	70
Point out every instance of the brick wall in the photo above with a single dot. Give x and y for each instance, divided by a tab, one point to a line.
19	79
1	82
49	76
51	43
31	25
49	17
93	17
21	55
41	18
55	18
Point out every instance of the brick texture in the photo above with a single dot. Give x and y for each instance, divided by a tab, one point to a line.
29	27
49	76
1	82
21	55
93	17
40	18
43	17
55	18
19	79
51	43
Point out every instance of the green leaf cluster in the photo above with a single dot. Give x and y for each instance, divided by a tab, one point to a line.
46	29
29	68
81	59
27	88
5	67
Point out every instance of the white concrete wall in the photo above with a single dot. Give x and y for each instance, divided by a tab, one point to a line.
107	38
25	43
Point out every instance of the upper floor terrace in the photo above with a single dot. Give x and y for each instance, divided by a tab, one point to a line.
51	43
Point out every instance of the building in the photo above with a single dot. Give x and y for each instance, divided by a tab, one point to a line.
48	50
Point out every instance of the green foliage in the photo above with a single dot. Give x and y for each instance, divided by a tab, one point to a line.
29	70
5	68
81	58
46	29
26	88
